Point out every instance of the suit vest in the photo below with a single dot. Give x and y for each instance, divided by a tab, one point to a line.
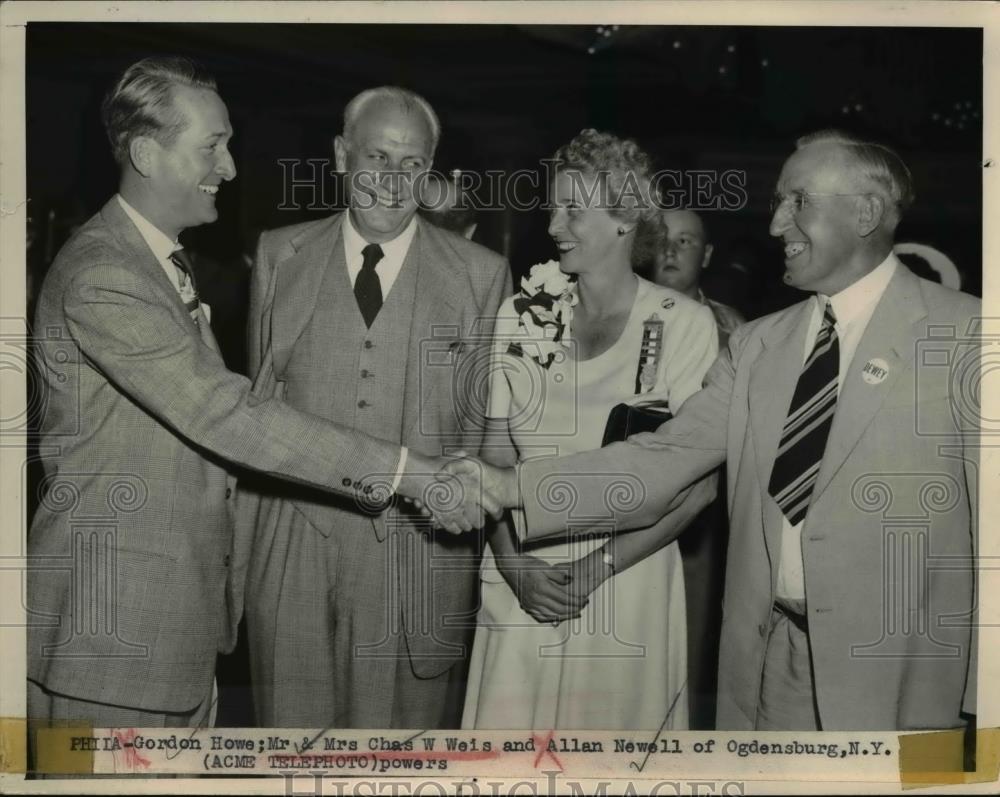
362	370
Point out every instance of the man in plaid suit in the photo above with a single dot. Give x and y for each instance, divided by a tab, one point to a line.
136	581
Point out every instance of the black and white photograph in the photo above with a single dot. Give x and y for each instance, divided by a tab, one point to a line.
398	396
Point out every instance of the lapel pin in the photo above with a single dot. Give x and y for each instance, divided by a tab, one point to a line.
875	371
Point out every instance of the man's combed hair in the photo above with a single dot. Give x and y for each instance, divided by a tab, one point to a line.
404	98
620	163
141	102
876	162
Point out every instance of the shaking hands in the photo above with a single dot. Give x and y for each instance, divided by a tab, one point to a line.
458	491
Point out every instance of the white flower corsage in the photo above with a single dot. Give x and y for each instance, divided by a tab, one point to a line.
544	306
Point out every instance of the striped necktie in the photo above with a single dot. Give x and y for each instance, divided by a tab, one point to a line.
188	289
807	427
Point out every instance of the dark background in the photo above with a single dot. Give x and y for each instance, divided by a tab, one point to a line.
713	98
695	97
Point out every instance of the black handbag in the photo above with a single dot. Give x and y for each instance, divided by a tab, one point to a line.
625	420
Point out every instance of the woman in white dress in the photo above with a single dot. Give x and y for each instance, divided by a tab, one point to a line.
586	632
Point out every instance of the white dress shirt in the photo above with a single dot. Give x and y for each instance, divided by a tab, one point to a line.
158	242
853	308
393	253
162	247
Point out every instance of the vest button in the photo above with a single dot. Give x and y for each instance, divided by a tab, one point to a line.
362	403
368	344
364	373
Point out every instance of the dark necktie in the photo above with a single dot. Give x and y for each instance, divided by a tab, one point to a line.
367	288
807	427
180	259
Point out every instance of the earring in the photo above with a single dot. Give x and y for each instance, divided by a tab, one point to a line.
622	231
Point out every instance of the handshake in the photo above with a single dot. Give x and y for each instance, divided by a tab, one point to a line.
458	491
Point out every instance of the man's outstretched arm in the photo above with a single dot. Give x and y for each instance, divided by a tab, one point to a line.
637	481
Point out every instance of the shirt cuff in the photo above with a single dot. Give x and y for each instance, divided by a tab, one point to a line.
404	452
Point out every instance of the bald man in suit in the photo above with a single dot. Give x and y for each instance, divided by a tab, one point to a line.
370	317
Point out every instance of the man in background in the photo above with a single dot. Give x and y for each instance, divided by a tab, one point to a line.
680	261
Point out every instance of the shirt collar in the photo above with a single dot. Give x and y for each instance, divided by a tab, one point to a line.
863	294
392	250
154	237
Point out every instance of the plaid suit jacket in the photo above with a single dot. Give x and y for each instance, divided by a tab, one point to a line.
131	547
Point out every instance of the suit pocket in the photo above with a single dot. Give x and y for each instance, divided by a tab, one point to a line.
123	597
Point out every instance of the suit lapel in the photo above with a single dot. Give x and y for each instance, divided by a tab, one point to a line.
437	311
145	261
298	284
775	374
889	336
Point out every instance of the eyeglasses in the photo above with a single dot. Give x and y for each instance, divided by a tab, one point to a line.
800	199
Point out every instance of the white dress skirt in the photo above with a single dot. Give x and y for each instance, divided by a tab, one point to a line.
622	664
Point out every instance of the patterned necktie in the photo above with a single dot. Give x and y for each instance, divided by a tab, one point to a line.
367	288
810	416
188	291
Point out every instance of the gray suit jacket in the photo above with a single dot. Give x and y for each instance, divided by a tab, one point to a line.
887	543
460	287
130	548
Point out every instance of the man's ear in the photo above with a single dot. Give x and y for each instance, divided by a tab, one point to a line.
708	255
340	153
142	152
871	211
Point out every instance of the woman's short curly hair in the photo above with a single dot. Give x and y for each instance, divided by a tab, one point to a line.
620	164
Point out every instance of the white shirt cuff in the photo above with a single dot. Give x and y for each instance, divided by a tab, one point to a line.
404	452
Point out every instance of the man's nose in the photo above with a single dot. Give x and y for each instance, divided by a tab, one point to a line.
394	181
226	167
781	220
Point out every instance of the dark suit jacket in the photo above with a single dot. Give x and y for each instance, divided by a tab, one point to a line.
888	541
130	548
